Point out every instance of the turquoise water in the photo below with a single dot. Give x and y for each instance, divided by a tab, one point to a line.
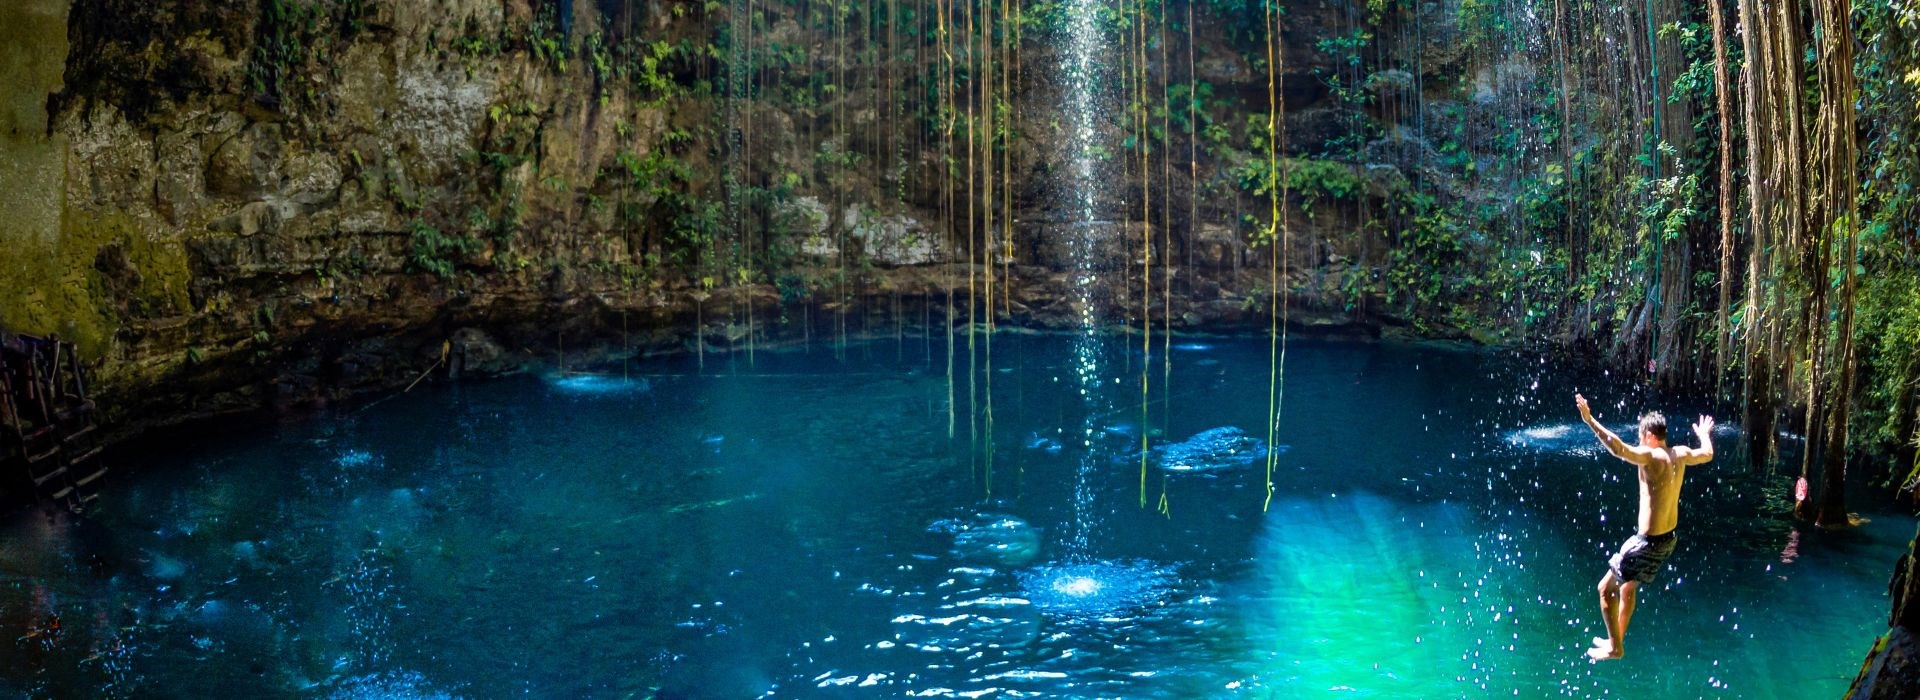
806	528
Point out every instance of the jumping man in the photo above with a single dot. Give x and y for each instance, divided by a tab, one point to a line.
1640	557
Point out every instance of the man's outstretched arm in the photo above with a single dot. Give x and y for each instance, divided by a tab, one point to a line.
1703	454
1612	442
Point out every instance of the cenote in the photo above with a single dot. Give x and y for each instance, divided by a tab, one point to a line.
804	527
959	348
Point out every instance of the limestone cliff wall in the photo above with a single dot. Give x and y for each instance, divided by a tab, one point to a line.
280	202
236	204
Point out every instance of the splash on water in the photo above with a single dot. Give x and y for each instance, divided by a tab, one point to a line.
1565	438
1551	432
1096	589
1076	586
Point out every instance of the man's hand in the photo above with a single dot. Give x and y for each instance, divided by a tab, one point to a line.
1611	441
1703	454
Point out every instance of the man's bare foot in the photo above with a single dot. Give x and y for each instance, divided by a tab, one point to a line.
1603	650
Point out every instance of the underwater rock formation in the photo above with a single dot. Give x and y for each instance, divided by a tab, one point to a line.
1211	450
1001	540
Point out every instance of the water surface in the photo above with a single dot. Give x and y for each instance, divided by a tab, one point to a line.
805	527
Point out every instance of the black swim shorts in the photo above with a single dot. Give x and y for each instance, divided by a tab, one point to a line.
1641	556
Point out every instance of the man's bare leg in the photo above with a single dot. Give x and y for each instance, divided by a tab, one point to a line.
1610	602
1628	591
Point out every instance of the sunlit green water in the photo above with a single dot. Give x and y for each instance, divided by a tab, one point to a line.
805	527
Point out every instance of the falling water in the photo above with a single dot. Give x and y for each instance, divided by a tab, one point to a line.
1086	102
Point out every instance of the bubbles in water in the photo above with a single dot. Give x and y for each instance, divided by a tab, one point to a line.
1076	586
356	459
1096	588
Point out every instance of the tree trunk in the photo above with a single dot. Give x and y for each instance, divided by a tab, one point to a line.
1723	337
1839	216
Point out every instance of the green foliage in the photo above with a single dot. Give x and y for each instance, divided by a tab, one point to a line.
1242	19
1484	23
1889	80
647	68
1672	204
1347	88
655	192
547	39
282	37
793	288
1888	71
1696	41
437	252
295	35
1425	265
1889	322
1310	179
1184	100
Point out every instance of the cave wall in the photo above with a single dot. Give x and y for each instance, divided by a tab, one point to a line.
36	261
278	203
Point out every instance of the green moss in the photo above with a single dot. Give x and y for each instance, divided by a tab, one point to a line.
58	288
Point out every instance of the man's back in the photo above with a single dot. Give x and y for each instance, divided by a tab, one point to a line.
1661	473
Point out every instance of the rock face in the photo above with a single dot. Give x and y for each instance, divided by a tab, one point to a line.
1892	668
893	240
231	206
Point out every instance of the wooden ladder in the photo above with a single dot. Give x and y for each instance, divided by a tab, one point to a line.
44	391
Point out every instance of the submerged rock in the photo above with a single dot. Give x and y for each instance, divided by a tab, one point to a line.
1044	444
989	538
1212	450
164	567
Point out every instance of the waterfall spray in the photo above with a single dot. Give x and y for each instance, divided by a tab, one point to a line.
1083	79
1146	232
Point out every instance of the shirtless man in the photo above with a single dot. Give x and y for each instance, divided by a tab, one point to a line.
1640	557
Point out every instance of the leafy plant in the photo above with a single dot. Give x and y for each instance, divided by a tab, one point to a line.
437	252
